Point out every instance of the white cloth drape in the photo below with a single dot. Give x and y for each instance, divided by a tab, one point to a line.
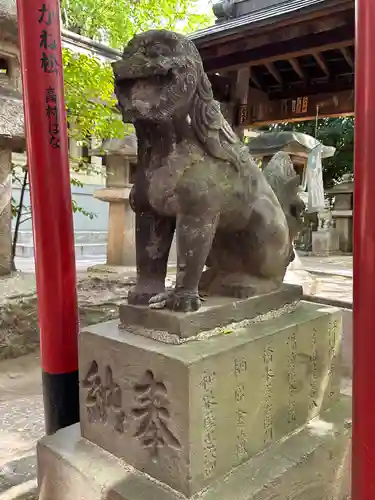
314	175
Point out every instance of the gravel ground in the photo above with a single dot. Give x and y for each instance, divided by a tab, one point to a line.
98	297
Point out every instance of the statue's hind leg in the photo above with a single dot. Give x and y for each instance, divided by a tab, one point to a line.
236	285
249	262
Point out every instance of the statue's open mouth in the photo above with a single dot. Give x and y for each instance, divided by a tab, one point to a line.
139	89
126	72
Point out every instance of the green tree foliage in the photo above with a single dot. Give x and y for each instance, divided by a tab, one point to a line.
89	82
89	98
118	21
337	132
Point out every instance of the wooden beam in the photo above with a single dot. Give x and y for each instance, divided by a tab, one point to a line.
301	53
274	72
348	57
343	37
269	34
297	68
299	108
221	87
340	10
255	80
311	87
321	63
239	91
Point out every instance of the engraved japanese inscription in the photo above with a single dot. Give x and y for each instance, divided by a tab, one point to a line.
268	408
151	412
208	384
314	372
332	348
292	378
241	447
104	399
47	20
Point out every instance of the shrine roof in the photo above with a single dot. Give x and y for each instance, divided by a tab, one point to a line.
82	44
291	48
12	120
294	143
127	147
265	15
8	20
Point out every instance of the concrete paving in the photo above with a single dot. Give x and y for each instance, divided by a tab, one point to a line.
329	276
21	420
27	265
339	265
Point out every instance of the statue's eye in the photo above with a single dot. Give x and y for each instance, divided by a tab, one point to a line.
158	49
154	50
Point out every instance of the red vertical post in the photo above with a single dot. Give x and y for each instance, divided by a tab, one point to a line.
47	149
363	464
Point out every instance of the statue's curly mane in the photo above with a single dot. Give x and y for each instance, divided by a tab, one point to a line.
220	141
211	128
209	125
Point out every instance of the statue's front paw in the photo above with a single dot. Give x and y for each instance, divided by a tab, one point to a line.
141	295
176	301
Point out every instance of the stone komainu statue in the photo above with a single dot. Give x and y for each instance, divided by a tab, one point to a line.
196	178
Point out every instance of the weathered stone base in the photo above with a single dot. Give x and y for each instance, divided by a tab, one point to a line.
187	414
216	312
312	464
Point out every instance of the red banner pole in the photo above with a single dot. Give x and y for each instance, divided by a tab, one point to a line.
363	465
48	162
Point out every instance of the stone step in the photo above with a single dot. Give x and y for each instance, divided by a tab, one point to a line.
311	464
25	237
81	250
87	244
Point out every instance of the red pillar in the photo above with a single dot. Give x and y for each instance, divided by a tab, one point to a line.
47	149
363	466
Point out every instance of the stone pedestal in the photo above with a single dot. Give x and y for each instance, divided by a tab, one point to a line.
216	313
121	226
121	222
252	411
325	242
344	228
343	212
5	211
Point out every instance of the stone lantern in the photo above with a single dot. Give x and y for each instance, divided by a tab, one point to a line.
342	212
120	157
12	136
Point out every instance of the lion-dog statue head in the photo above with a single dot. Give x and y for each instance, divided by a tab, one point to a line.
161	78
